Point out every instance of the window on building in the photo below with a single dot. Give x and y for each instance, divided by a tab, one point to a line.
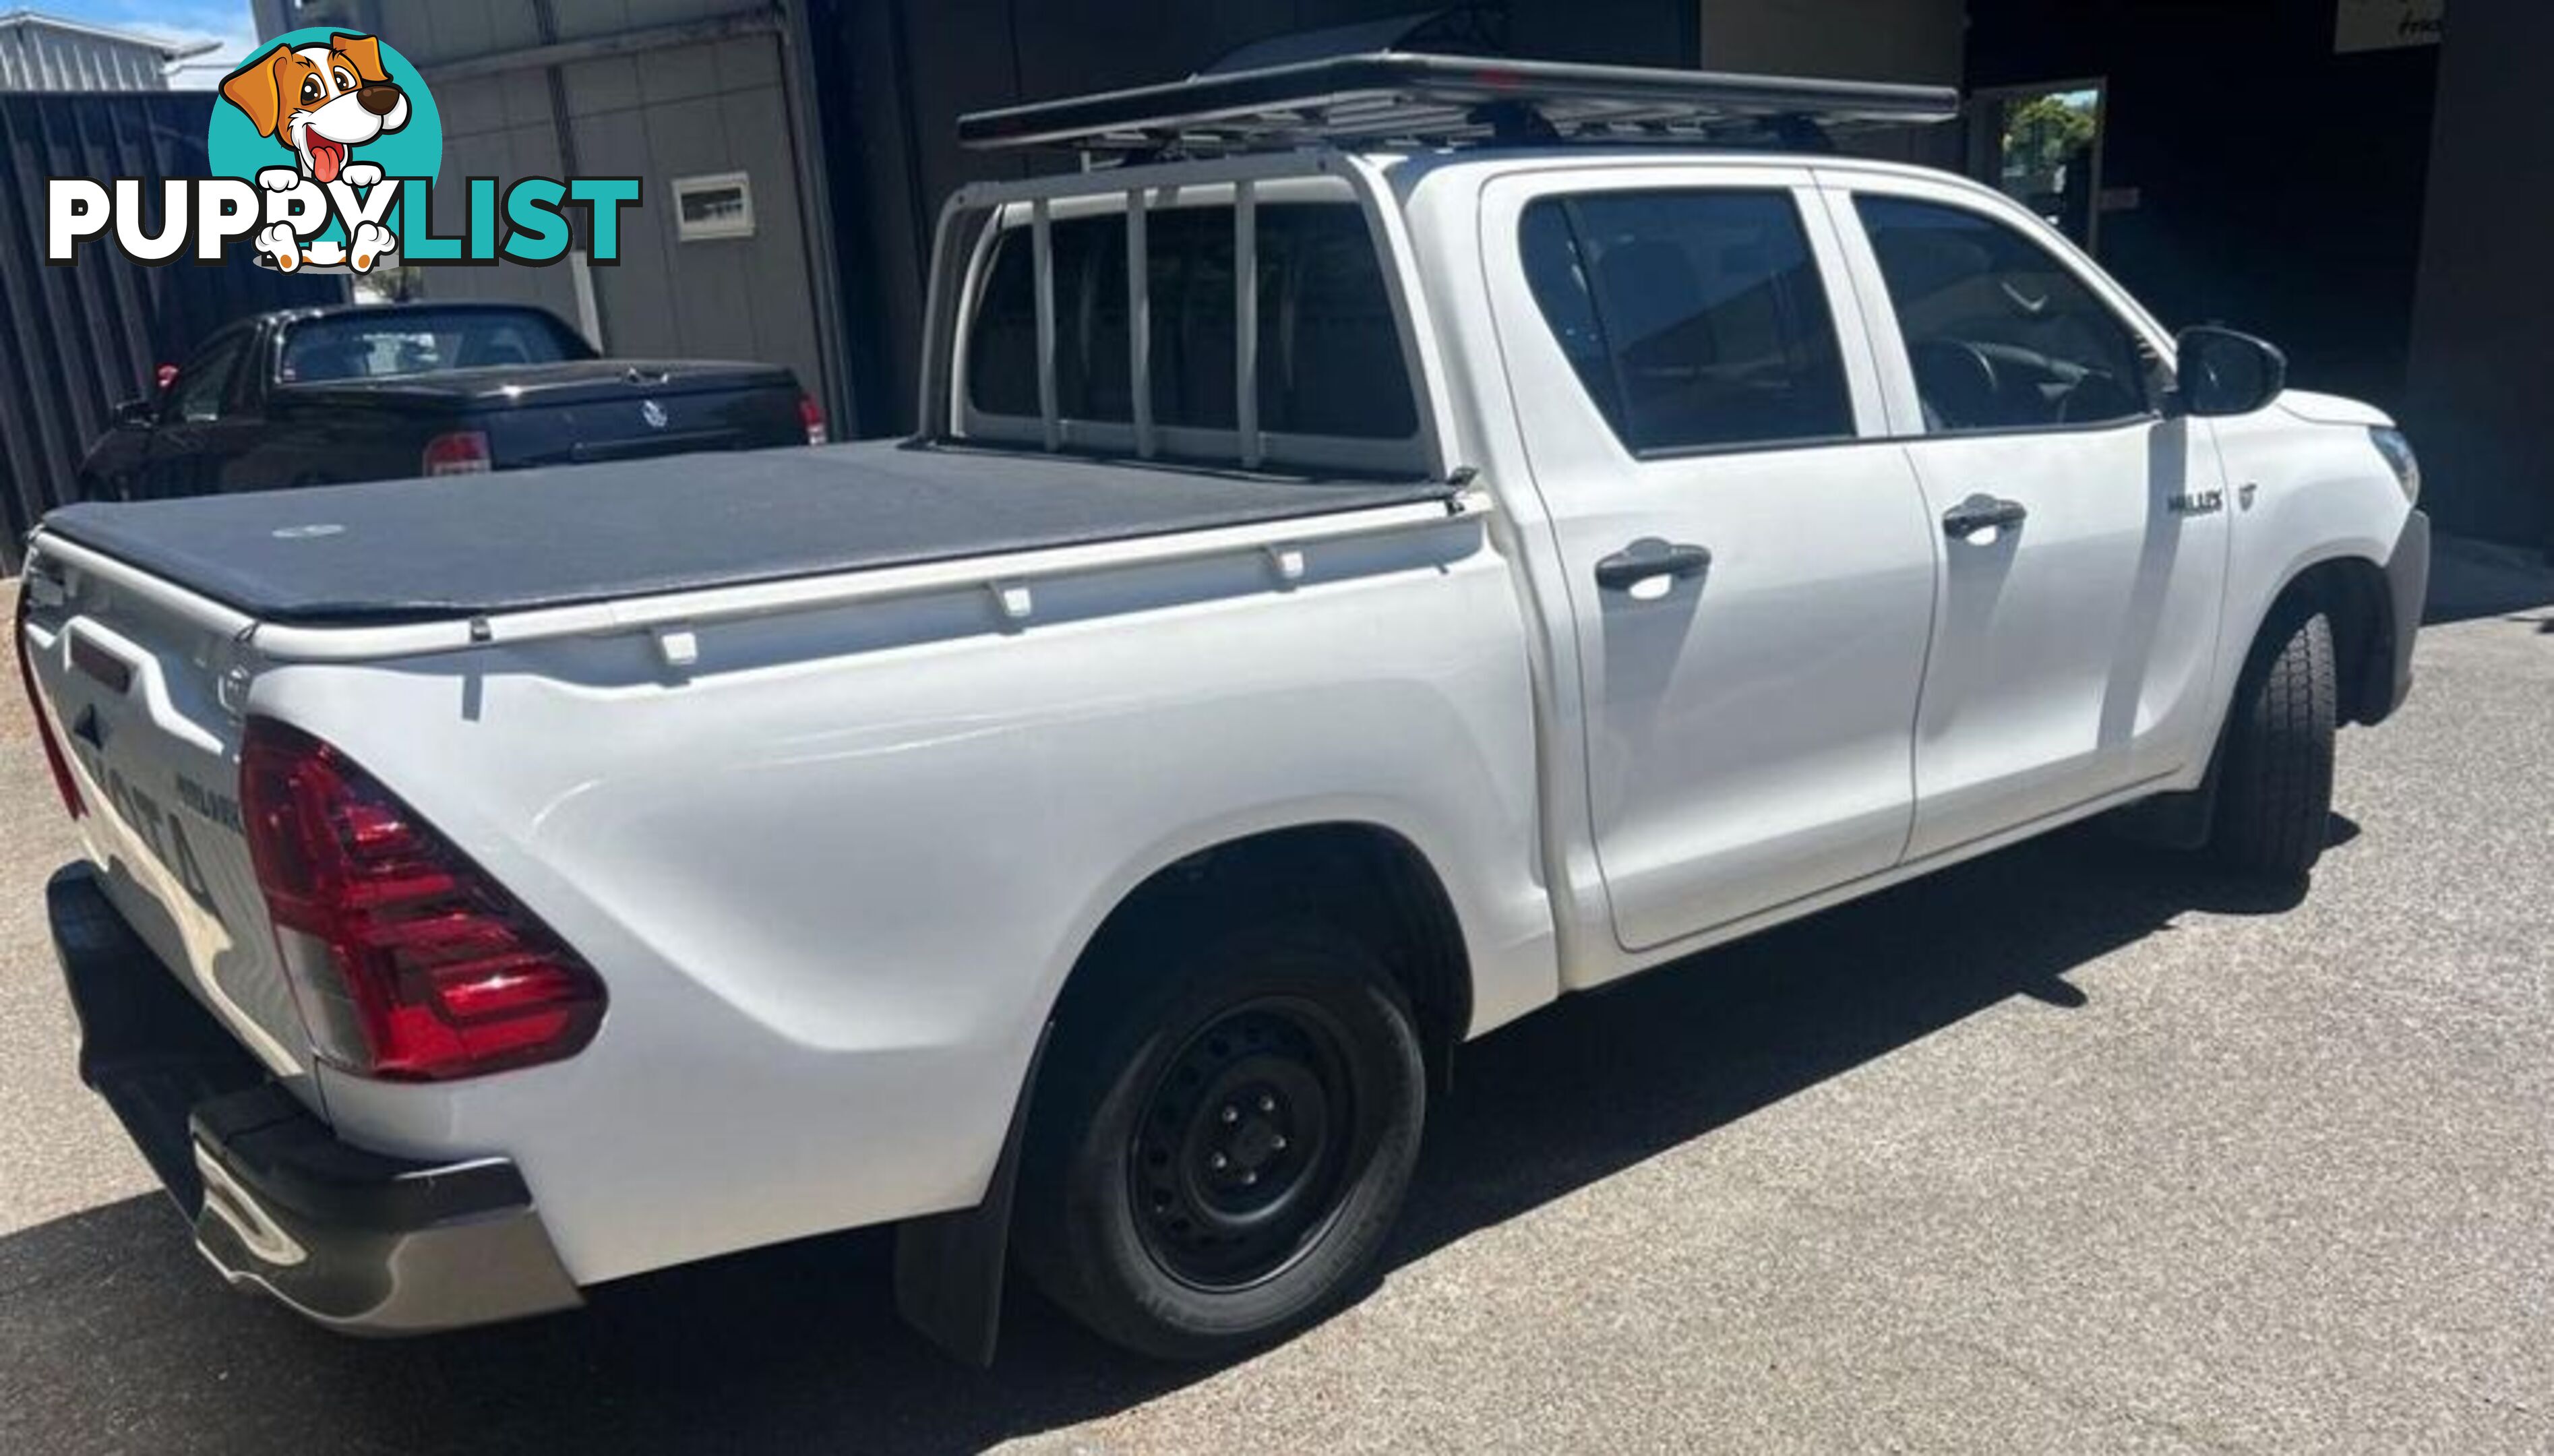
2041	146
1999	333
1329	357
1695	319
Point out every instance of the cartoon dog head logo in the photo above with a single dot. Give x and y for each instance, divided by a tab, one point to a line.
320	102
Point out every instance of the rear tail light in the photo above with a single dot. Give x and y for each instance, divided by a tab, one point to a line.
64	783
462	452
812	415
408	961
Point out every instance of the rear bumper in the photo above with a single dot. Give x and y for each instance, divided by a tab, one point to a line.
354	1239
2408	585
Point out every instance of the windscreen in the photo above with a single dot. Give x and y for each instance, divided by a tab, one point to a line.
417	341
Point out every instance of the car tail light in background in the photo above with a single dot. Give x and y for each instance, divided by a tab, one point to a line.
462	452
812	415
408	961
64	783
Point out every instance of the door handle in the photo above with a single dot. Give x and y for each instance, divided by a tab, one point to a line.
1982	513
1648	558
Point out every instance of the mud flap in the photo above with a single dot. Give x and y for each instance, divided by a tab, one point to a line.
949	1266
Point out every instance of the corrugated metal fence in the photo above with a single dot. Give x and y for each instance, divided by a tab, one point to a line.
75	341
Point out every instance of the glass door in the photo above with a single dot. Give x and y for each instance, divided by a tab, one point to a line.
2041	146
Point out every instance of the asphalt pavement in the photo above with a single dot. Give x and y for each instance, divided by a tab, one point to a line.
2075	1148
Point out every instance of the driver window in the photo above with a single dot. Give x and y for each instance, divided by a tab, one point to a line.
2000	335
197	395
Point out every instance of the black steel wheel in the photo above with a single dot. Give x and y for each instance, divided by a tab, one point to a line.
1216	1158
1242	1143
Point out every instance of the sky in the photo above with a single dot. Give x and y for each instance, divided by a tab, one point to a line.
226	21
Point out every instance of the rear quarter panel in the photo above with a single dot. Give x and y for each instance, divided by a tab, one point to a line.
836	875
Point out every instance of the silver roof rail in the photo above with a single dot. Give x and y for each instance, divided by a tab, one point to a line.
1389	97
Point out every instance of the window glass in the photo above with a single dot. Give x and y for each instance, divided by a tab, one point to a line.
2000	335
1695	319
205	382
1329	350
413	341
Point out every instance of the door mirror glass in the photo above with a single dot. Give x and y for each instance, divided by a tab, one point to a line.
136	412
2223	371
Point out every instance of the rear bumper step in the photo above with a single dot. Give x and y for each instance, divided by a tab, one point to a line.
356	1240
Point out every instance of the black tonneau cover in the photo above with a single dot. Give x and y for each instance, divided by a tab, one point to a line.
474	545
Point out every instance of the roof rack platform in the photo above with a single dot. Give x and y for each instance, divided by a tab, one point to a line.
1386	98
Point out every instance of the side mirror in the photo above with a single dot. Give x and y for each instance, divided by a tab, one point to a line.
143	412
2222	372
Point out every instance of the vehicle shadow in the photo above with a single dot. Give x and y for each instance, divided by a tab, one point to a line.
2476	579
113	1335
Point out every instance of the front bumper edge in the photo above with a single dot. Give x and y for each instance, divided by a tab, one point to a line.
356	1240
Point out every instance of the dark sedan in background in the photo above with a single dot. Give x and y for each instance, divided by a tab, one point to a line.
324	395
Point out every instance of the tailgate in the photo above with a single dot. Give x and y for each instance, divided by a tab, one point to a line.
133	693
624	419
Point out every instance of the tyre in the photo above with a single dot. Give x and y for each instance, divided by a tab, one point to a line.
2274	800
1219	1148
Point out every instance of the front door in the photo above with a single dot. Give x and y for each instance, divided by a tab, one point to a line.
203	425
2084	534
1747	559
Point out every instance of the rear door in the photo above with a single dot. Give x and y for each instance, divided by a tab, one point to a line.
1747	556
2084	534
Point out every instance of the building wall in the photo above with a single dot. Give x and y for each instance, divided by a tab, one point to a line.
656	90
2279	184
75	342
35	57
1921	41
2483	323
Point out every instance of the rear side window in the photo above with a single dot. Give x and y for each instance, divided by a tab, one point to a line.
1695	319
1329	357
2000	335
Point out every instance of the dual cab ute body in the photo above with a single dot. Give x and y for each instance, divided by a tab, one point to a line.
1545	562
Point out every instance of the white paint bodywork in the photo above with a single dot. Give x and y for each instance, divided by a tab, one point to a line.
836	856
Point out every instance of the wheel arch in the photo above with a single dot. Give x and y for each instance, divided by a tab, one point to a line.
949	1267
1368	876
2351	591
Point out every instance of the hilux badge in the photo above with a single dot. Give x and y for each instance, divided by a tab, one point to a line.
653	414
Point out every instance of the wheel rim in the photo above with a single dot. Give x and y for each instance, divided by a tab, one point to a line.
1247	1144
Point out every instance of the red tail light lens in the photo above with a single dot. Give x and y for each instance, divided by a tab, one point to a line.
64	783
410	962
812	415
462	452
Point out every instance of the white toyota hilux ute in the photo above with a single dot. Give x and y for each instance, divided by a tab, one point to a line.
1411	539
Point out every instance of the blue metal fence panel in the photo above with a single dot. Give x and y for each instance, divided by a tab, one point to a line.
75	341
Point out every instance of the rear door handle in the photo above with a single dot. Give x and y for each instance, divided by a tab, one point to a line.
1982	513
1648	558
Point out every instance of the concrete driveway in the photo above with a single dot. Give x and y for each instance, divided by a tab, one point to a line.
2077	1148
